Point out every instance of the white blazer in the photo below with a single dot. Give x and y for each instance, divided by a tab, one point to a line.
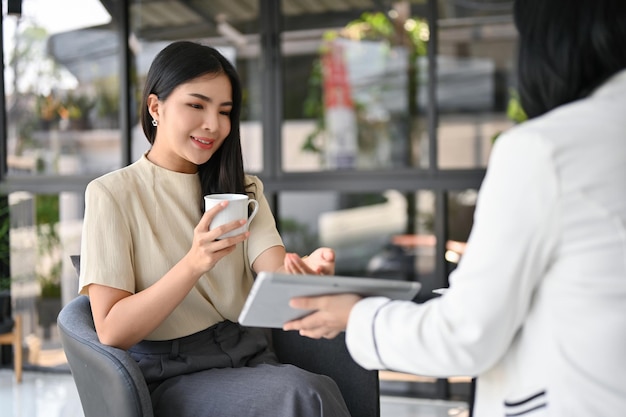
537	306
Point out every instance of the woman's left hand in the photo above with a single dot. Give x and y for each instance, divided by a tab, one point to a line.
320	262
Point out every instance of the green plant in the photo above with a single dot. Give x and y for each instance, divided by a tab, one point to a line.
49	255
514	111
314	107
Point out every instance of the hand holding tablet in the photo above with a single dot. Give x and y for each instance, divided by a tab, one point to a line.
268	302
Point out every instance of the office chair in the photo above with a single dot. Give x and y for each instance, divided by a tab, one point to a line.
110	383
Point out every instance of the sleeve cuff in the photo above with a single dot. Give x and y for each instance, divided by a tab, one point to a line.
360	333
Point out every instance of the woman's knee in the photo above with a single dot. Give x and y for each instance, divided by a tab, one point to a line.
308	391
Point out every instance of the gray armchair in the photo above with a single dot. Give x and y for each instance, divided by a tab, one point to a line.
110	383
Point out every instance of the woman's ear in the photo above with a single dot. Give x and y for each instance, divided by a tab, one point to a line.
153	106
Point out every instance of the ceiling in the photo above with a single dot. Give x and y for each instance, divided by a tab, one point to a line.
201	18
236	22
177	19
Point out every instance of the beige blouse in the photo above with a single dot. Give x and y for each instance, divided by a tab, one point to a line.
139	223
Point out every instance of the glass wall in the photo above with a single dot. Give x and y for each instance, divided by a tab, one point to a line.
359	85
62	104
62	89
369	122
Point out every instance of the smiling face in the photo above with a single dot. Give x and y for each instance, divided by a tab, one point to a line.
193	122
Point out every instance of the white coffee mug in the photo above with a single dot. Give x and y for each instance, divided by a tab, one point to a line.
236	209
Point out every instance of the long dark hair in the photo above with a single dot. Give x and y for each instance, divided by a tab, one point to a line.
567	48
178	63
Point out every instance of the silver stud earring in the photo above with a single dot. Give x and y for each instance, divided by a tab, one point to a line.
155	123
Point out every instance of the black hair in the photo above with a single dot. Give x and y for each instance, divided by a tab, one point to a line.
567	48
181	62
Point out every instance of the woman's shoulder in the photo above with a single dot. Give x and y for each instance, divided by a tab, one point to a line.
253	181
567	128
120	179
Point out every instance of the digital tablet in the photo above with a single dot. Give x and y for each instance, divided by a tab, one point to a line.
268	302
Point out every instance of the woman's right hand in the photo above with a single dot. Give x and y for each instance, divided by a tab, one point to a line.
112	307
206	250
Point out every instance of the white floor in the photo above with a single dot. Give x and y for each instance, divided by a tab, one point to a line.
46	394
39	395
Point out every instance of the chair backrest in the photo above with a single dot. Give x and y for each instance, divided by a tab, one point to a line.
108	380
360	387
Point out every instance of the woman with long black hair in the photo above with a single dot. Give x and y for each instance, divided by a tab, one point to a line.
161	283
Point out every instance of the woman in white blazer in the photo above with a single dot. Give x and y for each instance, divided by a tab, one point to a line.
536	309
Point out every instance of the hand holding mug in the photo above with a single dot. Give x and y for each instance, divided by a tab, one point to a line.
237	209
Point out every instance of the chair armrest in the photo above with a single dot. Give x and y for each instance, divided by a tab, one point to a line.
108	380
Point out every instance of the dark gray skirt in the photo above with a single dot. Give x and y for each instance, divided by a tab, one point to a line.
229	370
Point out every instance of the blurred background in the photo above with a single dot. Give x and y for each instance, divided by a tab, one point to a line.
369	121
